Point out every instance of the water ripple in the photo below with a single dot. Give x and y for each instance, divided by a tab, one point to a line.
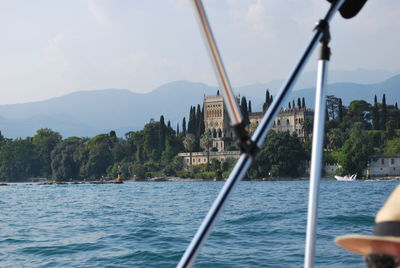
151	224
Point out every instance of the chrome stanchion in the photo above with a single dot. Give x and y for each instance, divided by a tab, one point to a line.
317	145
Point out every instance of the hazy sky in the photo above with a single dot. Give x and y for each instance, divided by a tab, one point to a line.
50	48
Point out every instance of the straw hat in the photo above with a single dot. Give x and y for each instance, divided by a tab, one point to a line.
386	232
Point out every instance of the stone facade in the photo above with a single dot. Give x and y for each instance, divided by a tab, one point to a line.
291	120
216	122
199	158
384	166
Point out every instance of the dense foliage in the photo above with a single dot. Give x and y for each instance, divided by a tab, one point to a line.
353	135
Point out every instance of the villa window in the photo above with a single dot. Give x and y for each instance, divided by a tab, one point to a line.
382	161
392	161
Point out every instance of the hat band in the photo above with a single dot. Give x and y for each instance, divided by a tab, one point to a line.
387	228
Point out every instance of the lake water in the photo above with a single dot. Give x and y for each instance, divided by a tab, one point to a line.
144	224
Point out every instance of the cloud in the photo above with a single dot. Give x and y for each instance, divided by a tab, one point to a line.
54	45
54	53
98	13
256	12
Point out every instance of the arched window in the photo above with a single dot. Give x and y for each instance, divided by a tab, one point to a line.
219	133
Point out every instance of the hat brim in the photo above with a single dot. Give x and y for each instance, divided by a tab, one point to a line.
365	244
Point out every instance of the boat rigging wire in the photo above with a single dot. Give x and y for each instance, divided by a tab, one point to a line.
260	133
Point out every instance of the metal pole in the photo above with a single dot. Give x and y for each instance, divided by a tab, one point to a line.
230	102
316	162
261	132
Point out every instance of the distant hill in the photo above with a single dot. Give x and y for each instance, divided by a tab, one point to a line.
88	113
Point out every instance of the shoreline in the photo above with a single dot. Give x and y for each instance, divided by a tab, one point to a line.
178	179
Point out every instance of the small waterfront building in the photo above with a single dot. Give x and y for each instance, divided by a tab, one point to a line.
200	158
384	166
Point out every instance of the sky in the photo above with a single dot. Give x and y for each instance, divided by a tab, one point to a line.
51	48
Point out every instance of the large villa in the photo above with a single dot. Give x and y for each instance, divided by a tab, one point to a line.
217	125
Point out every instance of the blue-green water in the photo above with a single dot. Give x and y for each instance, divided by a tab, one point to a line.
150	224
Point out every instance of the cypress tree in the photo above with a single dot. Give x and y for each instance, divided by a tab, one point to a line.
303	103
249	106
267	102
177	129
384	113
290	106
162	135
340	111
198	121
184	126
293	105
375	115
298	103
192	119
244	110
169	124
201	127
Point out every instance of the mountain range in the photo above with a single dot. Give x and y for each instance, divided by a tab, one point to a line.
88	113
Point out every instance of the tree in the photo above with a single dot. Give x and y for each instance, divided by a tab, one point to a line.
298	103
391	129
332	104
334	139
375	115
65	159
44	141
281	155
303	103
201	127
162	134
267	102
18	159
392	147
359	111
189	143
249	106
184	126
245	111
177	129
384	112
138	171
206	143
98	156
1	138
340	111
307	126
192	120
356	151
